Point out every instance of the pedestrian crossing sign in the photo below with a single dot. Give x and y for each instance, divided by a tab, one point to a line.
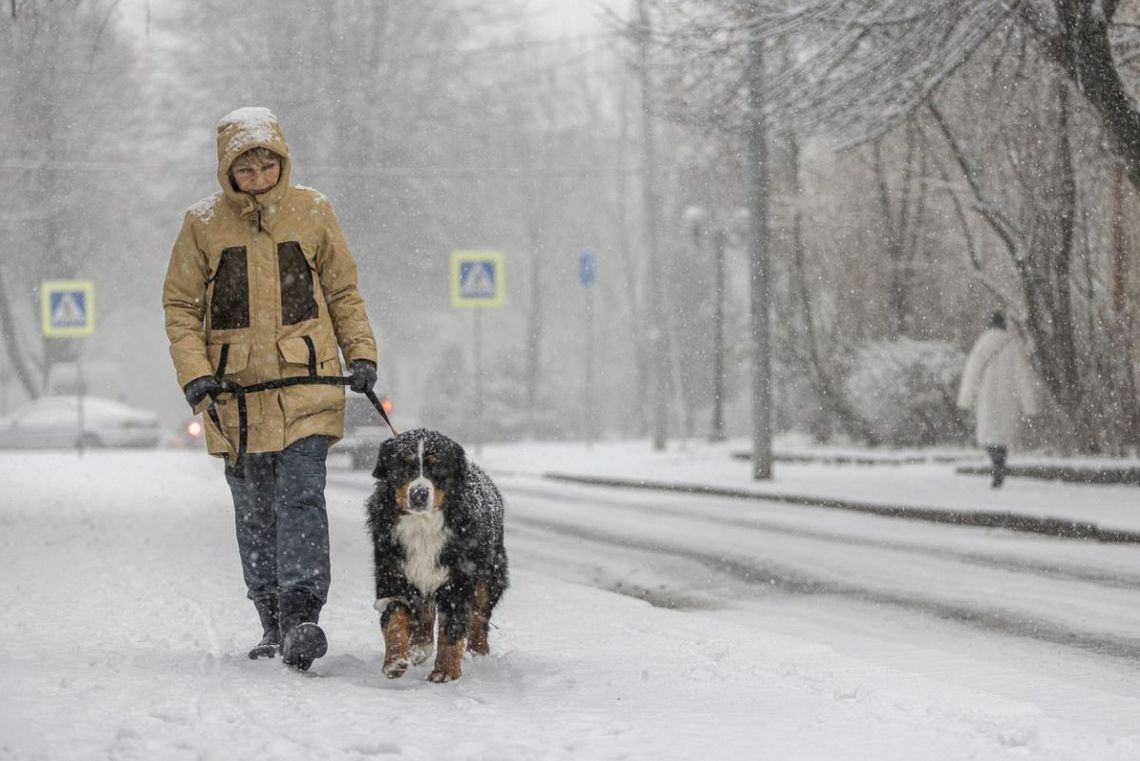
476	278
68	308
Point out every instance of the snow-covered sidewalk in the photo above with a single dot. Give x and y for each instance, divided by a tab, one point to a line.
931	485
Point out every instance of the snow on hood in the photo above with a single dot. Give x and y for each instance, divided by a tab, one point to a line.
241	130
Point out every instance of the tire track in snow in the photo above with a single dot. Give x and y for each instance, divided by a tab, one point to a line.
987	560
769	575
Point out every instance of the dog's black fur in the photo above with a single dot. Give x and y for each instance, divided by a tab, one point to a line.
421	476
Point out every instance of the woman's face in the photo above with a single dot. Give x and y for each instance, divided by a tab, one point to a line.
257	176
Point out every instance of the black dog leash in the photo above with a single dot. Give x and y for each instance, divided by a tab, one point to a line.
237	467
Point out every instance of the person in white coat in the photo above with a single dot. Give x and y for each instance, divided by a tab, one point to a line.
998	385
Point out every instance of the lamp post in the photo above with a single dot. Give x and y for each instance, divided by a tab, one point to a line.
658	344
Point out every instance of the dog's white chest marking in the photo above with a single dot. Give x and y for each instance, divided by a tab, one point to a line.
423	536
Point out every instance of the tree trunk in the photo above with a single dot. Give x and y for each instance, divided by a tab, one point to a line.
1084	53
629	275
658	351
12	348
1047	274
760	271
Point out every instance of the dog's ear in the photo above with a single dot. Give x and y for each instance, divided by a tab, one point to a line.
457	473
380	472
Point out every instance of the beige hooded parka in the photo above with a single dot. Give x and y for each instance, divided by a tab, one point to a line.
264	287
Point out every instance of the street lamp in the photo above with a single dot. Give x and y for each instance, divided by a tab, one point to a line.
700	223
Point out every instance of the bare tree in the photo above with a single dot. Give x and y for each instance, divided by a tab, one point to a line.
65	97
868	64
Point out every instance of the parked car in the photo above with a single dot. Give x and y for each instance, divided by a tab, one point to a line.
363	430
52	422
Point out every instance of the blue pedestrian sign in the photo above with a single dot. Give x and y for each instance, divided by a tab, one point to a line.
68	308
587	268
476	278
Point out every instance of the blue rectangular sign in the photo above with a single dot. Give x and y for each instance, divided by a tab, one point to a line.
587	268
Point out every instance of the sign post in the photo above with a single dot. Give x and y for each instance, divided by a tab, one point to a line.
477	281
67	308
5	377
587	275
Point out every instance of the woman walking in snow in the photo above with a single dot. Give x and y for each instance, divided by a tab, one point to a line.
997	384
261	287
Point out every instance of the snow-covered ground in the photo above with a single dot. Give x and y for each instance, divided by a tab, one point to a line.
127	628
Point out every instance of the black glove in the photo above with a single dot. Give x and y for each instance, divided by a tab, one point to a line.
199	388
363	375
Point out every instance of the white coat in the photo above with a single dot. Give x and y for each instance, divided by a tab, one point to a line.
998	384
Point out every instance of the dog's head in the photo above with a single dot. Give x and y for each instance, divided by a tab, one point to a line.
420	468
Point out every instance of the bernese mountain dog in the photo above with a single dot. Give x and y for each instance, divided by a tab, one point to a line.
437	533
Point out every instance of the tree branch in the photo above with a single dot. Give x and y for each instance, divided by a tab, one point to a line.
1003	226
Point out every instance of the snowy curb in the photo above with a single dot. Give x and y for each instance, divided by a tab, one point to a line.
850	459
1033	524
1068	474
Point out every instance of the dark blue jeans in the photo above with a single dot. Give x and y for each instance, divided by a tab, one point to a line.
282	525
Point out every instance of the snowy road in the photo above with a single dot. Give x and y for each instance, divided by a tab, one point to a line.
1063	615
1075	593
795	633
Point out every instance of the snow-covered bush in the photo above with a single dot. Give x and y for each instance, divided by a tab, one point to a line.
906	390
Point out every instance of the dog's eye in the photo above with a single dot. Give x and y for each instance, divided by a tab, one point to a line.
433	459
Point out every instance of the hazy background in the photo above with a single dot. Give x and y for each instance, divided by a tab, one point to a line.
895	227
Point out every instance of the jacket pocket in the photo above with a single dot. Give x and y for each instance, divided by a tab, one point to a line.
228	359
233	362
298	291
309	355
229	295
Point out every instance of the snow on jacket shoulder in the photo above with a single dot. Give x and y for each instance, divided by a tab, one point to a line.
264	287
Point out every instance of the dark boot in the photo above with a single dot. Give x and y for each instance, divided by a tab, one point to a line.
270	630
302	641
997	455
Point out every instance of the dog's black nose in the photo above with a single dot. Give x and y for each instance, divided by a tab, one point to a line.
418	496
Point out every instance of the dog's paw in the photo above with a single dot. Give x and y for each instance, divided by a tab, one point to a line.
395	669
439	676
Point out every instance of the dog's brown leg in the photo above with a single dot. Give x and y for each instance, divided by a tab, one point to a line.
423	633
477	624
397	650
448	656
